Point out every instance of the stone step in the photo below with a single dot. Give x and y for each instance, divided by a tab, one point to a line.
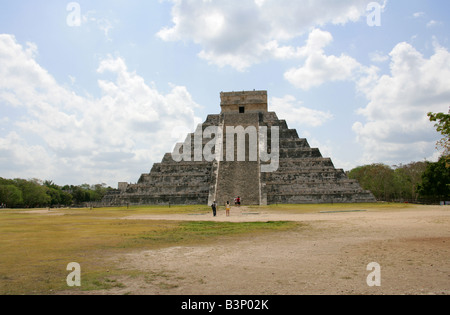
162	199
317	198
237	178
311	188
168	189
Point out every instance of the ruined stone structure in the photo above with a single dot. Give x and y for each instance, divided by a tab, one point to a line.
301	174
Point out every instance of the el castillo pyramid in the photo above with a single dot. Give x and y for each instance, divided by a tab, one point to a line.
244	151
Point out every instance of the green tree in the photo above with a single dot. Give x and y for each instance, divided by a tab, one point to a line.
100	191
82	194
10	195
390	183
378	178
66	198
436	181
406	179
443	126
34	194
54	195
401	184
87	193
79	194
59	197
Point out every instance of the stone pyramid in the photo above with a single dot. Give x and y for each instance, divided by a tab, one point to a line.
245	151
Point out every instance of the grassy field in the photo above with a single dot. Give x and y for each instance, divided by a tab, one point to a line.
36	247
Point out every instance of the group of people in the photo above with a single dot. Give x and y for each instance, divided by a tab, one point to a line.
237	202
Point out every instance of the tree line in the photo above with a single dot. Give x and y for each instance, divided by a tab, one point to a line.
414	182
21	193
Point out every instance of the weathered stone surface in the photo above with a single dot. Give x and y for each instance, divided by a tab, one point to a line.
238	178
234	102
303	175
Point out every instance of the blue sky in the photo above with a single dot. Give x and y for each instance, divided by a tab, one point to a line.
101	100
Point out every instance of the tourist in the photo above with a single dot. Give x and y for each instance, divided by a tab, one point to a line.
214	207
227	207
238	201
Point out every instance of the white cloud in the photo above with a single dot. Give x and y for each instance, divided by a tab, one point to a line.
297	114
70	138
318	67
103	24
16	154
433	23
378	57
255	30
397	127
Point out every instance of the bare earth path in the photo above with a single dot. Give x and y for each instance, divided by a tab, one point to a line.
327	254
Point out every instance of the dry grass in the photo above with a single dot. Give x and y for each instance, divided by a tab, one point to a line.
36	246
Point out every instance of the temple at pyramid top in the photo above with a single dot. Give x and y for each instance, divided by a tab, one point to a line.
244	102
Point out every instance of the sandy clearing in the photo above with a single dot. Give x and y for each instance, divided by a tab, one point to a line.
327	254
39	211
245	214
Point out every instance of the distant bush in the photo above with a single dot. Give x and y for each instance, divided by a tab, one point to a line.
391	183
35	193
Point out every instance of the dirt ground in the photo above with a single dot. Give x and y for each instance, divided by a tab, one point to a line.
327	254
